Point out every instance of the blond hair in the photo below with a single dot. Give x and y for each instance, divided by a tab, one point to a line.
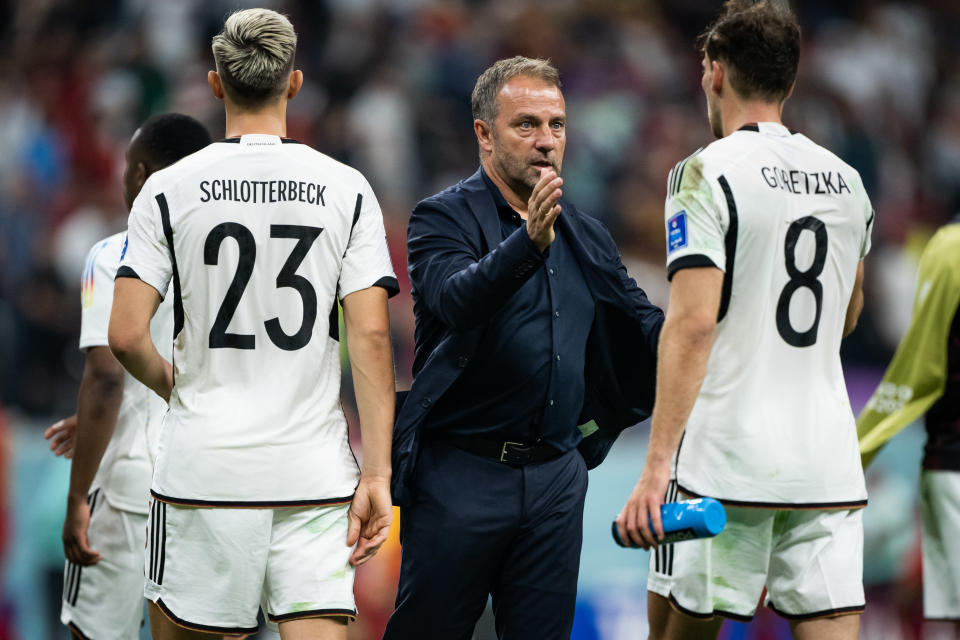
254	55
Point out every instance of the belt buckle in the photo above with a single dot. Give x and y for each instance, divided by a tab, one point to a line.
515	453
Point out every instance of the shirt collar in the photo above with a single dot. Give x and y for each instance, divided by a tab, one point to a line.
260	139
503	208
767	128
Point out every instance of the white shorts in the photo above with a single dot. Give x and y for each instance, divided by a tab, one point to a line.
940	523
211	569
810	561
105	601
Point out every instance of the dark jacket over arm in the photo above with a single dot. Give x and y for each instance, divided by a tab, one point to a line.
461	284
462	273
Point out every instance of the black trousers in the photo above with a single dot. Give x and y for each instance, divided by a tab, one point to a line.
476	527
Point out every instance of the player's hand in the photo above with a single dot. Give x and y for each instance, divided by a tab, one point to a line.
371	514
62	436
543	210
643	506
76	546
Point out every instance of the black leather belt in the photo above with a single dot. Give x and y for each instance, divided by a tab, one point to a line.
506	451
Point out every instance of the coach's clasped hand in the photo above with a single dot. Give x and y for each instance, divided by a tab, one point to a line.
543	209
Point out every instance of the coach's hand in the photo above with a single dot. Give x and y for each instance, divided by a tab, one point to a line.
76	546
371	513
643	506
542	209
62	436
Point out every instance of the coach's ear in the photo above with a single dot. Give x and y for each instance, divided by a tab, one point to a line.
293	86
484	135
216	84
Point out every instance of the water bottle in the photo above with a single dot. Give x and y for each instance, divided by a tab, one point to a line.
685	520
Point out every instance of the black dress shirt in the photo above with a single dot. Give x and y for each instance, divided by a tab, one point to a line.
526	381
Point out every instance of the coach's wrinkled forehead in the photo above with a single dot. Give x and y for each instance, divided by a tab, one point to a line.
483	101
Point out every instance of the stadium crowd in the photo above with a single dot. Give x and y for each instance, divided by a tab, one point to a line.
387	91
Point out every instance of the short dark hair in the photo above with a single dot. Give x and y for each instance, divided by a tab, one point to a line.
167	138
760	44
483	100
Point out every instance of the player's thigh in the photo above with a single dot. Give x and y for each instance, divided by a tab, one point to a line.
314	629
308	575
163	628
106	599
658	614
668	623
846	627
816	568
940	520
724	575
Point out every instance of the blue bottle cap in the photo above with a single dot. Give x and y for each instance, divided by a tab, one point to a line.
714	516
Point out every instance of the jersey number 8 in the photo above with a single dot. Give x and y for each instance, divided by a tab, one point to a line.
305	237
802	279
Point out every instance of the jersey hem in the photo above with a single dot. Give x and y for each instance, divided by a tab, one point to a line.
707	616
390	284
314	613
826	613
688	262
94	342
850	504
127	272
251	504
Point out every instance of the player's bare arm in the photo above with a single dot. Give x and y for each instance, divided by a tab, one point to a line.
685	343
62	435
134	303
856	303
101	392
371	360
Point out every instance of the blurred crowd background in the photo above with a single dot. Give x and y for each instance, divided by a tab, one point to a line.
387	90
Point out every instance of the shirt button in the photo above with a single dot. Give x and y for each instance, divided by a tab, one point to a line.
556	313
551	402
551	271
558	356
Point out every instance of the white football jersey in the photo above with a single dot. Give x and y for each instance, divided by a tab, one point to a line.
787	221
256	238
127	463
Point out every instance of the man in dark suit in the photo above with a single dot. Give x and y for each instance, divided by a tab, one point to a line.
527	326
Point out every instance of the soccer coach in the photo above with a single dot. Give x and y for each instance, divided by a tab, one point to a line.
527	325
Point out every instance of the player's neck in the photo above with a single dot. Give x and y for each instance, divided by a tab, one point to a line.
270	121
738	114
